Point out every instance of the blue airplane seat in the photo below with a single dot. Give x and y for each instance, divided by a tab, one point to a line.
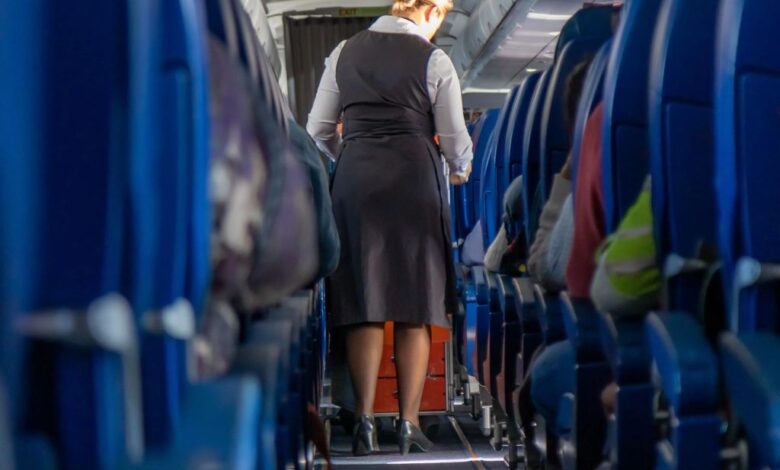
591	22
222	434
753	384
580	39
555	134
682	138
747	98
586	419
22	90
270	362
745	117
280	331
490	209
532	207
592	95
626	143
625	166
512	165
468	194
77	70
681	130
688	375
169	135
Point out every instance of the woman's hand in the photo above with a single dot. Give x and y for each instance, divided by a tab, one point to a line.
457	180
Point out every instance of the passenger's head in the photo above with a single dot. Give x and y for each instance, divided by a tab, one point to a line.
574	85
428	14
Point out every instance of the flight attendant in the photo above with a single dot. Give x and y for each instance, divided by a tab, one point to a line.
394	91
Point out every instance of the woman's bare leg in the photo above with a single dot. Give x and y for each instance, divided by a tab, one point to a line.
364	355
412	348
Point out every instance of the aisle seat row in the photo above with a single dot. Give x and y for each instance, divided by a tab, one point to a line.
689	93
151	315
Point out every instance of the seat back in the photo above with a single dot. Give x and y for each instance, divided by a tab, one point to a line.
531	157
512	165
592	94
681	129
469	193
490	199
747	145
625	142
555	133
592	22
78	68
580	40
169	145
23	97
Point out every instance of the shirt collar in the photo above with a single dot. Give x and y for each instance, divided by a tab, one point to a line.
394	24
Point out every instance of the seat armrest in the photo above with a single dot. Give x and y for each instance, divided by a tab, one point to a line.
477	277
581	324
687	366
549	312
753	383
491	280
624	342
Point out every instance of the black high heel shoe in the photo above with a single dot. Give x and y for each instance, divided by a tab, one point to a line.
365	441
409	435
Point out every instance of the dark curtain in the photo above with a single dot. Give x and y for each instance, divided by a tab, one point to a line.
309	41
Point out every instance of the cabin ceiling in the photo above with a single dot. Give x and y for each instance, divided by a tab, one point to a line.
493	43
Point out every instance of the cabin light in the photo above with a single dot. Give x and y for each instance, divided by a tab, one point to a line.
486	90
531	70
547	16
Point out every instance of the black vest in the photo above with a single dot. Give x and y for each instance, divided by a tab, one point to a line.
382	79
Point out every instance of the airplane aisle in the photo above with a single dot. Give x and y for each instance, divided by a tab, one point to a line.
459	445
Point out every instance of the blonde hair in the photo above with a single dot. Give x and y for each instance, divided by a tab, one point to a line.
401	7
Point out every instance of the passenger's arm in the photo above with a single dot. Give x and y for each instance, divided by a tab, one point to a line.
556	256
324	115
550	214
445	93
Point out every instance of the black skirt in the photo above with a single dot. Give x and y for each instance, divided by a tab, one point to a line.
392	212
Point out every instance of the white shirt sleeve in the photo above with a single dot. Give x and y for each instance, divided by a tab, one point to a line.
445	94
324	114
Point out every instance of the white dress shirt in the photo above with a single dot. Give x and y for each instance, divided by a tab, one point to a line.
443	89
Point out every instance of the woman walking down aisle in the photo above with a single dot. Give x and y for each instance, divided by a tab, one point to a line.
394	91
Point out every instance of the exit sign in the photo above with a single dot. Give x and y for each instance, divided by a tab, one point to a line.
363	12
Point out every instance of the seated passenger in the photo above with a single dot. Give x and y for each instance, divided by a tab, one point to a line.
627	281
552	373
505	255
548	258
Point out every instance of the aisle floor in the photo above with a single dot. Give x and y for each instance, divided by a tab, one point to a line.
459	444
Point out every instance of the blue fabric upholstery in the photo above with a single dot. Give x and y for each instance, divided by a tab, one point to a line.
753	382
625	143
681	127
592	94
594	22
531	156
223	434
468	195
76	69
490	199
625	348
23	94
686	364
555	131
169	138
747	143
512	165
